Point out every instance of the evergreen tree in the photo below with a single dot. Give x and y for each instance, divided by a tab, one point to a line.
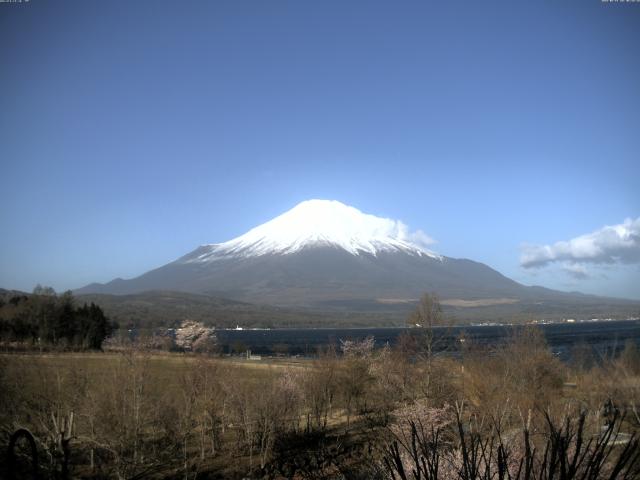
46	318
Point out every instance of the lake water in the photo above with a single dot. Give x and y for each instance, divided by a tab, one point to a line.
604	337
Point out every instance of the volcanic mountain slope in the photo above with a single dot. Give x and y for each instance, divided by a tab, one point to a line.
326	254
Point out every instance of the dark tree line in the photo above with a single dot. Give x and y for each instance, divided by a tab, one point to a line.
45	318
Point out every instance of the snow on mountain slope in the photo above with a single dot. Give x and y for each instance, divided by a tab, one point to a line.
320	223
328	256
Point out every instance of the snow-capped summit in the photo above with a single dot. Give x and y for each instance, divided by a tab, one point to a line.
319	253
328	256
314	223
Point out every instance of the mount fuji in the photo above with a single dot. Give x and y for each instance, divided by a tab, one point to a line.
324	254
320	223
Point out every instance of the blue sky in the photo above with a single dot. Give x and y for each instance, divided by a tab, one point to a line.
131	132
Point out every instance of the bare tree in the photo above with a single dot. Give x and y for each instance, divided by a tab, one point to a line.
354	373
426	318
319	386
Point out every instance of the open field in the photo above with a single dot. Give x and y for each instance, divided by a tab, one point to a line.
454	302
143	414
171	362
485	302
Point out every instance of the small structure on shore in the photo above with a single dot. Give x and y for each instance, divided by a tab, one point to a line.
251	356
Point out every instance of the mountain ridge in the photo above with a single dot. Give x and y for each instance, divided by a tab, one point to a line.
323	254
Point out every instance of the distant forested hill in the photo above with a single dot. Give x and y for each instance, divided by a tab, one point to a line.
158	308
166	309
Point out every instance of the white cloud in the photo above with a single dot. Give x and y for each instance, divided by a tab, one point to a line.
576	270
417	237
608	245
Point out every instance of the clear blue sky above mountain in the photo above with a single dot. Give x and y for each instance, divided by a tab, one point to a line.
132	132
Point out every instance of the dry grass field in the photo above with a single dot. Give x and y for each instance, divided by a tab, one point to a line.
144	414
